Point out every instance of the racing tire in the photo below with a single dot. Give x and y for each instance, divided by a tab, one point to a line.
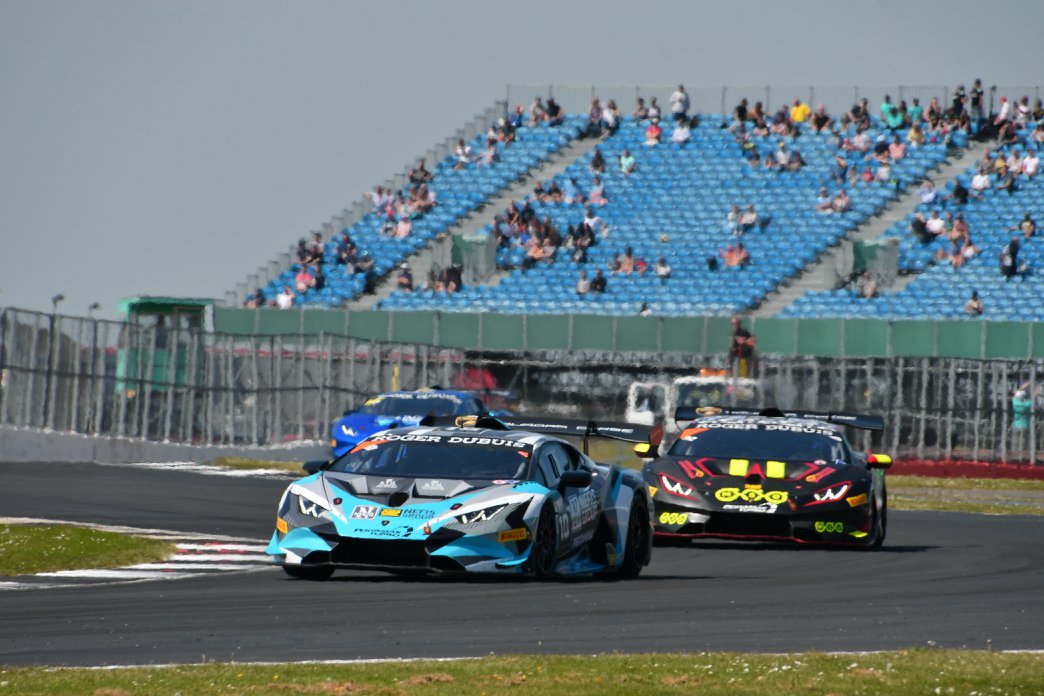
304	572
541	563
880	522
638	547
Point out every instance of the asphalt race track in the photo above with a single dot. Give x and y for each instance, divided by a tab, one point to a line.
945	579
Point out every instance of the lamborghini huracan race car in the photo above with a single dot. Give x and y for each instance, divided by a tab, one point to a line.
769	475
393	409
476	496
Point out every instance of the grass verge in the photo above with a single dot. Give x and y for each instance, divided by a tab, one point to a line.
26	549
920	671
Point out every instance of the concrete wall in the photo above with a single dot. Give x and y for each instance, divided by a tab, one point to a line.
36	445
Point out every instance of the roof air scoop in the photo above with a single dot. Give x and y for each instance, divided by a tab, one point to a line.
397	498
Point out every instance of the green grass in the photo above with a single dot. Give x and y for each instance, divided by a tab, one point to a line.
920	671
27	549
991	496
956	483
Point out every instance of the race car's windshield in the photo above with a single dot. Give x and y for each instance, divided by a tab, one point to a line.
759	444
410	405
481	458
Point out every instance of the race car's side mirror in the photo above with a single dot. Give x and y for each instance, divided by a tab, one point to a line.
644	450
314	465
878	461
579	478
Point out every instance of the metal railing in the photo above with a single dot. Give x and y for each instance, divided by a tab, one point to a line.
98	377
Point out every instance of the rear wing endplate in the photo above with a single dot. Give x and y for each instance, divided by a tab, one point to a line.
855	420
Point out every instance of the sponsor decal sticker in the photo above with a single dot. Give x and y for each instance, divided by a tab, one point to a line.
364	512
751	495
857	500
830	527
673	518
391	512
765	508
281	525
387	483
513	535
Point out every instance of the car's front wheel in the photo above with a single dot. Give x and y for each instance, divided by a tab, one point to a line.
541	562
304	572
879	522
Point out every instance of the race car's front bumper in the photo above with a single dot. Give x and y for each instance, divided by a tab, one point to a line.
841	524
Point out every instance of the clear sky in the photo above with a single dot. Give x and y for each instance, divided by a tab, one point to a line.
172	147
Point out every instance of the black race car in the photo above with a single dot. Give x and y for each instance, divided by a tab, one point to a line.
743	474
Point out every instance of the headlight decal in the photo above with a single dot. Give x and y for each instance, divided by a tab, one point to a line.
830	494
675	487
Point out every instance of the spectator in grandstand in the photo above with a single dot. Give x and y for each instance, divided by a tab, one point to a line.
980	183
824	202
539	192
551	232
799	111
781	157
742	347
425	199
735	256
681	133
890	114
965	252
1028	227
749	220
594	119
1014	162
598	284
928	192
610	117
490	154
653	132
1031	164
884	173
662	269
463	154
936	226
654	110
571	192
405	279
419	174
1037	115
255	299
404	228
641	112
732	221
347	252
452	278
839	170
625	262
680	104
919	228
959	195
896	149
595	224
1006	182
517	117
627	162
597	162
596	196
821	120
915	136
1022	112
841	202
555	117
583	285
285	299
554	194
537	112
974	307
581	240
975	103
304	280
645	311
1009	259
381	199
933	112
866	286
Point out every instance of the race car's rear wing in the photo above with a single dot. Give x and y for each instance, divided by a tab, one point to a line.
855	420
614	430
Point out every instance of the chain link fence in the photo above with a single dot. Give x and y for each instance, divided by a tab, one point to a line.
100	377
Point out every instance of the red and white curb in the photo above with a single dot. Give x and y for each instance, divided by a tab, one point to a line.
195	555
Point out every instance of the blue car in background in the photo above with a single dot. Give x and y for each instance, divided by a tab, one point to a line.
397	409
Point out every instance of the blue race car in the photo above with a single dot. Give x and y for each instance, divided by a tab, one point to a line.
473	497
395	409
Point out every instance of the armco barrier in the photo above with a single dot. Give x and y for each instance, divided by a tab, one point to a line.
838	338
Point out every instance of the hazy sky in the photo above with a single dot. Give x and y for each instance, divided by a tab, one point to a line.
170	148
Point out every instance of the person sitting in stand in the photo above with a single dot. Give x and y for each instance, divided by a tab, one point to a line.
596	196
463	154
1028	227
405	279
419	174
824	203
583	285
866	286
597	162
974	307
682	133
653	132
841	202
554	194
598	284
662	269
627	162
640	112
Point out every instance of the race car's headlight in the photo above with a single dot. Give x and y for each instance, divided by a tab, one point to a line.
483	515
831	494
675	487
312	508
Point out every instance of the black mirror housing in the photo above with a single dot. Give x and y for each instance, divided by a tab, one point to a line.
579	478
314	466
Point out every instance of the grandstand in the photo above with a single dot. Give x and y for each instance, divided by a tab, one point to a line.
675	205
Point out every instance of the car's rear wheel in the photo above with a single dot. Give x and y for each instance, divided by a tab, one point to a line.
638	546
541	562
304	572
